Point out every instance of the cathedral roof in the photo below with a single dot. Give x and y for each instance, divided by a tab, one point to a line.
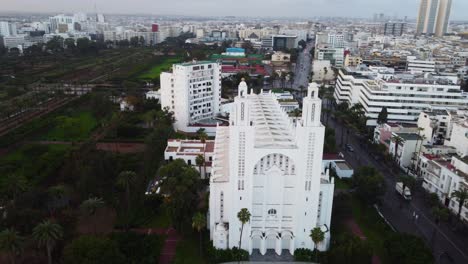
273	127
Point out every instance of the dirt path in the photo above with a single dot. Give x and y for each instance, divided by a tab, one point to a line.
357	231
170	244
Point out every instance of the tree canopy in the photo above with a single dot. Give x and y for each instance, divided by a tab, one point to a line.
369	183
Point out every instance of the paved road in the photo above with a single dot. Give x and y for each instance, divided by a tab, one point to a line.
303	67
448	246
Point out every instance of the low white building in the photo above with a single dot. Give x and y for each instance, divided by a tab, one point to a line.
407	149
337	162
420	66
153	95
272	167
189	150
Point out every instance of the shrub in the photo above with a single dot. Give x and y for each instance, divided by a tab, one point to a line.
226	255
303	254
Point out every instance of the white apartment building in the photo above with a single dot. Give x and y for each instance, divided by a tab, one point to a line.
189	150
61	23
7	29
407	149
265	163
334	55
17	41
404	95
443	175
193	92
336	40
435	126
421	66
459	136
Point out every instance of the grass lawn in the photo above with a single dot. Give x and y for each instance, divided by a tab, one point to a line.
155	71
161	220
188	252
373	227
341	185
74	127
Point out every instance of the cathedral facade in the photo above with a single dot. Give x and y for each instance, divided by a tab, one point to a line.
271	164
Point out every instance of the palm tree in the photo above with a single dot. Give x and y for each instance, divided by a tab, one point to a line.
461	196
317	236
203	137
47	234
13	185
11	243
397	139
326	111
126	180
200	161
90	206
199	222
57	195
419	138
244	216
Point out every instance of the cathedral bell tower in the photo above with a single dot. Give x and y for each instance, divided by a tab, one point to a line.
242	105
312	106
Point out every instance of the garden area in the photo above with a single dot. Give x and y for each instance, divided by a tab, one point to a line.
162	65
359	234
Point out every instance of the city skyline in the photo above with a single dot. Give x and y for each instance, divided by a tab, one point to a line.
294	8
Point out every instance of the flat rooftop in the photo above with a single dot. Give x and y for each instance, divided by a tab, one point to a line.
343	165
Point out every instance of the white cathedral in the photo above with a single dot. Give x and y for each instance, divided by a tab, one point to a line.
271	165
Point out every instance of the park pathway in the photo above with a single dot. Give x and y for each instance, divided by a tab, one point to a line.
356	230
170	244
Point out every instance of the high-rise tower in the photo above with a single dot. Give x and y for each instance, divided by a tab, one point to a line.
433	17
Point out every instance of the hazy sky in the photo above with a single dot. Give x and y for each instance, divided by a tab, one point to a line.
289	8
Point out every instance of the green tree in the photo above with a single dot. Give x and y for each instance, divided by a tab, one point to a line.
55	44
83	44
13	185
407	249
126	180
369	183
198	223
47	234
134	41
351	250
11	243
70	44
90	206
440	214
93	250
244	216
461	196
382	117
301	89
180	185
317	236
